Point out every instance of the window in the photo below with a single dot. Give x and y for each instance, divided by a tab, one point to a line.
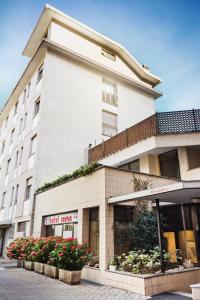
109	92
33	145
15	109
16	194
94	229
3	200
12	196
28	188
28	90
24	97
37	107
20	125
12	136
132	166
40	73
25	120
21	226
169	164
108	54
21	155
109	123
16	159
193	155
3	147
8	166
6	124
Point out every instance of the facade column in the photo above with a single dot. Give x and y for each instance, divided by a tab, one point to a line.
160	236
83	225
106	235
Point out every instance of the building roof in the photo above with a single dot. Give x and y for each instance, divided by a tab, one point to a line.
50	14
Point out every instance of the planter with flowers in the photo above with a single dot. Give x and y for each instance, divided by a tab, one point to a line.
113	265
16	251
70	257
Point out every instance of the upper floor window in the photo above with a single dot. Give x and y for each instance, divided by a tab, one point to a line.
37	107
12	196
12	136
20	125
40	73
33	145
28	90
15	109
25	121
132	166
24	96
109	92
109	123
108	54
16	194
3	200
169	164
21	155
193	156
6	123
16	159
3	147
8	166
28	188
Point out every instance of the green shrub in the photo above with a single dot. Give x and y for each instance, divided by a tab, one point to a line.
82	171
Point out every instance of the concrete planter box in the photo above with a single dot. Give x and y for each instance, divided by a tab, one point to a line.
70	277
39	267
20	263
195	291
29	265
50	271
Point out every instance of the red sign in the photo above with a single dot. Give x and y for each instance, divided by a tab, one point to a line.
61	219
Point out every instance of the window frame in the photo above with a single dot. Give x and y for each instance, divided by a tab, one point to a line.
109	126
105	94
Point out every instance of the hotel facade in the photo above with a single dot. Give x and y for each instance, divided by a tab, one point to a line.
84	98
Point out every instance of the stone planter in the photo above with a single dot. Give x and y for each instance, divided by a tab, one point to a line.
70	277
29	265
39	267
51	271
20	263
112	268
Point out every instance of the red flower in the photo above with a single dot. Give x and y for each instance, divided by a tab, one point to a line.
73	248
60	254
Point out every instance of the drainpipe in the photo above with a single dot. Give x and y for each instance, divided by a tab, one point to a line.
162	265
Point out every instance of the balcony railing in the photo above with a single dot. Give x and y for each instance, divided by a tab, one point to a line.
186	121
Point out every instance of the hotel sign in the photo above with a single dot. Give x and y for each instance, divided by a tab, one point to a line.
61	219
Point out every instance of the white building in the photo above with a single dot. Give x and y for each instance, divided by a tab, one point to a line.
78	89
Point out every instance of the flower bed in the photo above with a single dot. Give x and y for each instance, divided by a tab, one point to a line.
50	254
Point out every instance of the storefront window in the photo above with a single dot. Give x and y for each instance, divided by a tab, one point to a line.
169	164
94	230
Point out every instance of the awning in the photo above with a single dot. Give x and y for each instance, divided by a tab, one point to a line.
176	193
5	223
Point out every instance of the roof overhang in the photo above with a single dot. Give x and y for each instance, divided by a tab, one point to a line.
50	14
5	223
176	193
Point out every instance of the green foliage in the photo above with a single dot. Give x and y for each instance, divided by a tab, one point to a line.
141	184
82	171
140	261
70	255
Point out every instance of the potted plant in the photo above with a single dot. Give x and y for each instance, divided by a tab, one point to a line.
50	267
28	254
70	257
113	264
15	251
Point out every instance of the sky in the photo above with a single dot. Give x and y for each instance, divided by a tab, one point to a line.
163	34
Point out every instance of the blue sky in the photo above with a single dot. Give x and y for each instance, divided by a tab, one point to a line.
164	34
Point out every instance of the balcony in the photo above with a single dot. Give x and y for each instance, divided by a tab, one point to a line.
164	123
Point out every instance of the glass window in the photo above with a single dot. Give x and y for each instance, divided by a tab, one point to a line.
8	166
37	107
169	164
109	92
21	155
16	194
109	123
12	136
12	196
16	159
3	200
3	147
25	120
33	145
40	73
21	226
193	154
132	166
28	90
15	110
94	230
28	188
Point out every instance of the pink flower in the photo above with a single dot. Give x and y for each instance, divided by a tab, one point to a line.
60	254
33	253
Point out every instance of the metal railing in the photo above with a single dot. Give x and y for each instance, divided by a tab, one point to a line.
175	122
